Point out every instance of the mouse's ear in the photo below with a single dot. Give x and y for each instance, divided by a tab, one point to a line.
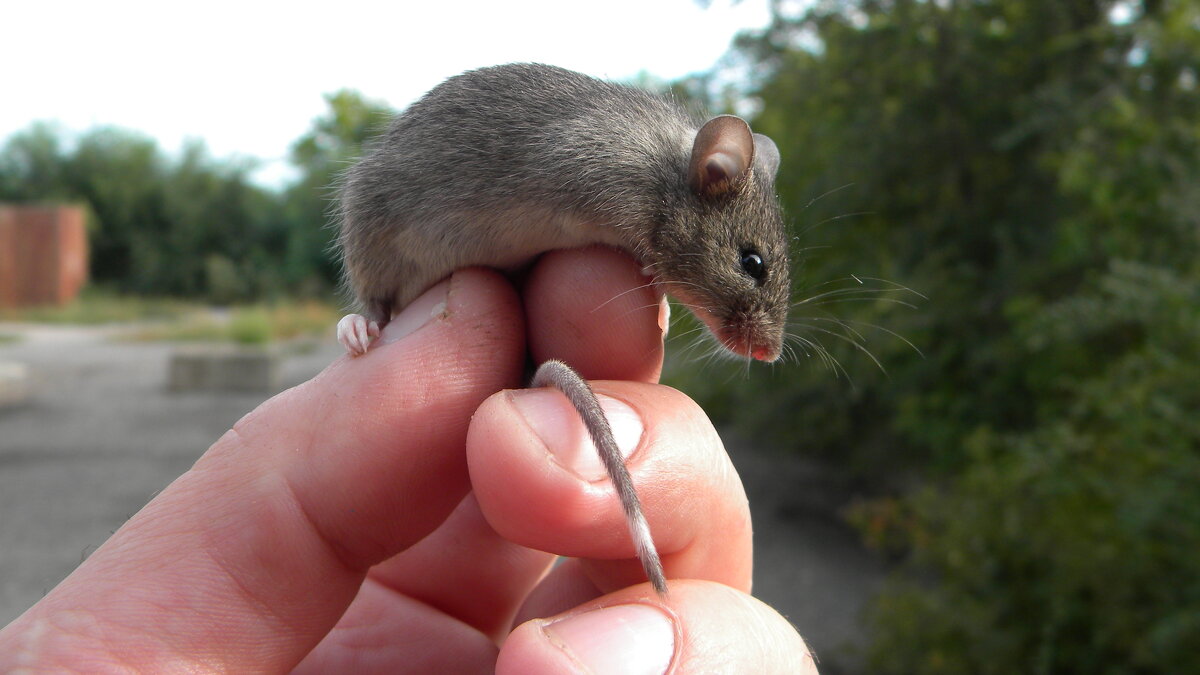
722	155
766	155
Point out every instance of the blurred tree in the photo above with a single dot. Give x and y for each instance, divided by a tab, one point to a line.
31	165
234	227
158	227
193	225
121	175
337	137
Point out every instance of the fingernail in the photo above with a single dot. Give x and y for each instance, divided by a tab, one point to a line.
428	306
558	425
664	315
627	639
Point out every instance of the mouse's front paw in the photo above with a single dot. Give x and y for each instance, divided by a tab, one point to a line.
356	333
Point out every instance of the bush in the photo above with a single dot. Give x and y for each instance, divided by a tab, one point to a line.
1072	548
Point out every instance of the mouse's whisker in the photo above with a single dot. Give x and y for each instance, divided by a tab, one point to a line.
810	346
621	295
805	321
818	349
710	348
830	361
640	308
832	281
844	291
893	284
697	309
807	229
697	352
806	249
691	305
686	351
729	378
689	332
810	350
825	194
686	283
690	346
834	301
790	353
861	280
857	345
846	324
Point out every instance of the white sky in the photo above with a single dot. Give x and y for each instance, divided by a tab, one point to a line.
248	77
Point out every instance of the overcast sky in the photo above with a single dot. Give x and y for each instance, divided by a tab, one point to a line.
248	77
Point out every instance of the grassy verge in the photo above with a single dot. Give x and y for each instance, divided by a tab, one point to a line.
99	306
252	324
180	320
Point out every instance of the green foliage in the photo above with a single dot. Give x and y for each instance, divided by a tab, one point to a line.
32	165
919	143
1031	167
1071	547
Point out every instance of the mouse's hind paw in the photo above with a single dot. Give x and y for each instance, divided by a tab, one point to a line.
356	333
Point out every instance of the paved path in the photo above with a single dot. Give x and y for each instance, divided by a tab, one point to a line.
101	436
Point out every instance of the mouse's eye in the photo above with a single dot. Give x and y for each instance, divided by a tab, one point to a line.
753	264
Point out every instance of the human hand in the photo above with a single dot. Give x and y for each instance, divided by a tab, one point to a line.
342	525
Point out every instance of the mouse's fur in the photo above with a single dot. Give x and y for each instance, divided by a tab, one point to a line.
497	165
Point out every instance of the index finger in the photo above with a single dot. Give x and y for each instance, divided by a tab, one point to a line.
594	309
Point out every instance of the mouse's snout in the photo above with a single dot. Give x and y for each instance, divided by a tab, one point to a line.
765	353
746	330
752	337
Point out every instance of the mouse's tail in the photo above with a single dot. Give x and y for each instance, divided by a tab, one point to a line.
562	377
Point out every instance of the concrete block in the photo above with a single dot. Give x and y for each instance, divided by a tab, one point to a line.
222	367
14	384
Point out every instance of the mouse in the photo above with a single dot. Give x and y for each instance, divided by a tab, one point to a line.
498	165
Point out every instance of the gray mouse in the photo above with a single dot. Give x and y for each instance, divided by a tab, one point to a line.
498	165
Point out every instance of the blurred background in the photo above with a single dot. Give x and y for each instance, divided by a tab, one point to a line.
984	453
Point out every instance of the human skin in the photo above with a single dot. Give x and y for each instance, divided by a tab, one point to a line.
341	527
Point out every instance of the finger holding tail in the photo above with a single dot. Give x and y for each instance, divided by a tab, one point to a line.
560	376
540	483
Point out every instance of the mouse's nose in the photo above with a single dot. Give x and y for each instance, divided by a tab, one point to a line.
764	353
